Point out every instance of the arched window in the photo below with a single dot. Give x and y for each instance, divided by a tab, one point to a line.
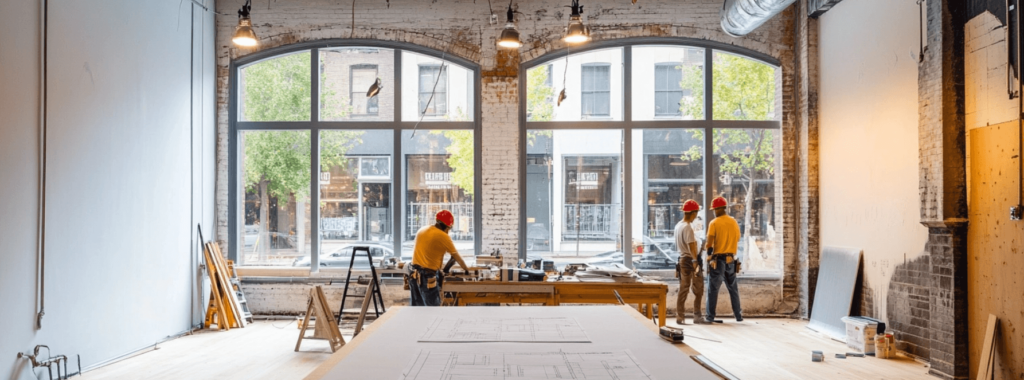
387	161
607	170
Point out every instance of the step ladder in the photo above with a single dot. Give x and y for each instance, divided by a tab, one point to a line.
373	289
236	285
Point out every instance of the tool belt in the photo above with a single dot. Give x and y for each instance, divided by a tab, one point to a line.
430	274
728	257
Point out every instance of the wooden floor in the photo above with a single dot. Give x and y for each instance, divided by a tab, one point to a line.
761	348
753	349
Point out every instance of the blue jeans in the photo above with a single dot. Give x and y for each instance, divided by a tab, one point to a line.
726	272
426	290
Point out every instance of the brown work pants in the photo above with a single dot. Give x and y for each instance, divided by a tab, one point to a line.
690	278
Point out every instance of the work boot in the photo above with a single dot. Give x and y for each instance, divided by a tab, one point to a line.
700	321
680	321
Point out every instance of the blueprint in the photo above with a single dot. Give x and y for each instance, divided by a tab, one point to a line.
522	330
543	365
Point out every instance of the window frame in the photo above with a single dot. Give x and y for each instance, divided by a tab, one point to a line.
315	126
594	93
441	72
682	92
627	125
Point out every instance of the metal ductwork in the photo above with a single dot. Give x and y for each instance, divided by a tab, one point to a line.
740	17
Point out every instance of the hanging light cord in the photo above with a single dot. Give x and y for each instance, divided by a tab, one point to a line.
434	90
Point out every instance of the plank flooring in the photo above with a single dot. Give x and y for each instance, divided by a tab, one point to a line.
754	349
762	348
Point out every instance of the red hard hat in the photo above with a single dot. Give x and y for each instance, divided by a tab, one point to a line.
446	217
719	202
690	205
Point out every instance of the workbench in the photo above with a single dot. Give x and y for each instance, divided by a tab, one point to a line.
642	294
390	345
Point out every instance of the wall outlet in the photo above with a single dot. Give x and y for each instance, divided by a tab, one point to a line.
1016	212
494	19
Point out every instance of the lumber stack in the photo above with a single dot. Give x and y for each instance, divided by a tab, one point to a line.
224	310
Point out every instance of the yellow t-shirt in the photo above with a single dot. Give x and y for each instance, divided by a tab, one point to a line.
431	245
724	234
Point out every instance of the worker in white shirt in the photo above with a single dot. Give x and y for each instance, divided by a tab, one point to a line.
690	275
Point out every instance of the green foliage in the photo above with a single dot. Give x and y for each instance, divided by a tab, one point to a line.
539	94
744	89
460	158
279	90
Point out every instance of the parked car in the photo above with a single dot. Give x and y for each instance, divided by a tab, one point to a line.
341	257
658	254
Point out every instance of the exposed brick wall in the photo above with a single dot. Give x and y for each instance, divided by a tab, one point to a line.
463	25
807	139
908	309
948	301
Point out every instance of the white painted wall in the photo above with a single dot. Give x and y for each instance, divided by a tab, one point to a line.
869	135
130	172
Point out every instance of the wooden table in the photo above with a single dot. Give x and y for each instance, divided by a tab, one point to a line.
643	294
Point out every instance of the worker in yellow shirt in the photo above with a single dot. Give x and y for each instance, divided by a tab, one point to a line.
432	242
723	238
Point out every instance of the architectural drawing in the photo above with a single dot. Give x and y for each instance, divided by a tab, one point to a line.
526	330
467	365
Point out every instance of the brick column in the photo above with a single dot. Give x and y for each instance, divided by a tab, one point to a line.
943	185
807	63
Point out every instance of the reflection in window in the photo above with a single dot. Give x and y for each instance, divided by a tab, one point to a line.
346	74
673	172
439	176
745	167
668	96
276	89
355	190
433	90
274	228
595	90
744	89
363	76
574	196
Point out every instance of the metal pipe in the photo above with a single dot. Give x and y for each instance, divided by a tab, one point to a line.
41	222
740	17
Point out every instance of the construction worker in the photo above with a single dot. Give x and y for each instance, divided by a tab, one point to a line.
432	242
723	238
690	275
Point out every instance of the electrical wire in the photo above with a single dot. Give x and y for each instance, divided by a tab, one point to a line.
441	70
41	223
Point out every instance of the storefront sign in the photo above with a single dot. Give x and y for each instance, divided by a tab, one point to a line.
437	180
587	181
325	178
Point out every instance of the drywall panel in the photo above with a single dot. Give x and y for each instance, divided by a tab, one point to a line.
122	164
868	120
995	265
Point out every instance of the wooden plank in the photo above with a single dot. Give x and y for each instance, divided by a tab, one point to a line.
985	367
491	288
211	269
236	305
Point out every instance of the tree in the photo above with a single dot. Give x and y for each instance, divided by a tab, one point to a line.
744	89
277	162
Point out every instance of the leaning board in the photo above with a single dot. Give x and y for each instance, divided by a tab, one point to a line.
389	347
833	295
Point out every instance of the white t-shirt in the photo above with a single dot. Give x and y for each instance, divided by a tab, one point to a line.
684	236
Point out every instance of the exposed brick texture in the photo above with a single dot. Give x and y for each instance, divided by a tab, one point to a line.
908	309
807	141
465	23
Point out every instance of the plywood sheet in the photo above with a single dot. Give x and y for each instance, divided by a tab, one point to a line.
834	292
995	258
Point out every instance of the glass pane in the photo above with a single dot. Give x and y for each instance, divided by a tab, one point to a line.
744	88
439	175
668	169
274	225
574	196
744	160
592	83
435	94
355	195
346	75
668	83
276	89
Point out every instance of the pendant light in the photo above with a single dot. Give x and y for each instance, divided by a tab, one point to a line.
244	36
576	32
510	35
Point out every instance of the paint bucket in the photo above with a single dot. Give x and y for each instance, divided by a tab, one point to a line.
881	345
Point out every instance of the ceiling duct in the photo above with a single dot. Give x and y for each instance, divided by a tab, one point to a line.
740	17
